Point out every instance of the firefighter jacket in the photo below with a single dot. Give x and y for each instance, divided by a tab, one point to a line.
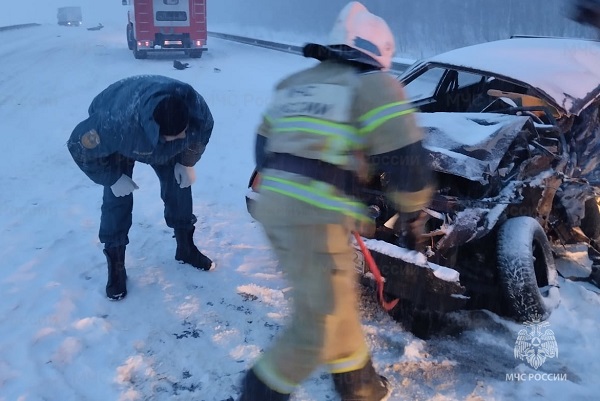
359	123
121	124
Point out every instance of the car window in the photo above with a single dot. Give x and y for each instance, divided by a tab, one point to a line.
465	79
425	84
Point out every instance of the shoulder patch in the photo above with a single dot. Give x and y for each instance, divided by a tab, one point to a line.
90	139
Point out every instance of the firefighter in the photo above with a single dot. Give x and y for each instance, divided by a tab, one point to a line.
327	128
150	119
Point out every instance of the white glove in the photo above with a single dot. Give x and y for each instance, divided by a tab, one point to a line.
124	186
185	176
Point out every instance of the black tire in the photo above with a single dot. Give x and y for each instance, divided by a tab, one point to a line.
130	38
590	225
526	270
195	53
139	54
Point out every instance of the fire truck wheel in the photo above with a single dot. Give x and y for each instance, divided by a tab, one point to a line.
130	38
140	54
195	53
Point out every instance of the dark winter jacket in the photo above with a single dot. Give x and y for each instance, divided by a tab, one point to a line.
120	123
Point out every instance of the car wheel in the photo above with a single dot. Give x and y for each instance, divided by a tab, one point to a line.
130	39
527	271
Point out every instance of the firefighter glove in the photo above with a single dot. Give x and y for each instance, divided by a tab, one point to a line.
411	229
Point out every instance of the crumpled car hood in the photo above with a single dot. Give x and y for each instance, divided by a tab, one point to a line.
469	144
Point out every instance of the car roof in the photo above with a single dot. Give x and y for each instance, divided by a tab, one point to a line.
566	70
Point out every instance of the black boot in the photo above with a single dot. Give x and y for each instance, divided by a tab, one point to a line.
595	275
362	385
116	287
187	251
253	389
594	256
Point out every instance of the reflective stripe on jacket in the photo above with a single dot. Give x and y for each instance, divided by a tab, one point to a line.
335	114
318	194
337	138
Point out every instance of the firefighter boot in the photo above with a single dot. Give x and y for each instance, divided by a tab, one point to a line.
362	385
188	253
116	286
253	389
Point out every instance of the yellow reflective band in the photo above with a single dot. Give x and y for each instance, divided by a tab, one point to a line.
351	363
370	114
374	118
274	381
315	195
318	127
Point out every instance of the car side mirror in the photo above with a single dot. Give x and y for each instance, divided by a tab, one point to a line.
124	2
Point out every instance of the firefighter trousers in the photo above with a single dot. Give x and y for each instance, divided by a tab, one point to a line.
325	328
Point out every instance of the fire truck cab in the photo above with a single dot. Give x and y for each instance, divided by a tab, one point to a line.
166	25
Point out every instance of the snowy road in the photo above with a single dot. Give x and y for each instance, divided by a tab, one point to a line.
183	334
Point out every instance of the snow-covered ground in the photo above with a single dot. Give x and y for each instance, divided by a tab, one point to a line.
182	334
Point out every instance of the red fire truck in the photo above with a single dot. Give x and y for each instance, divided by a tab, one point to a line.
160	25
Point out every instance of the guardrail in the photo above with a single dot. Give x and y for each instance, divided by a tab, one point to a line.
284	47
19	26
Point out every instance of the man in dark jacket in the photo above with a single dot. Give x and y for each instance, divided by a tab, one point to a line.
154	120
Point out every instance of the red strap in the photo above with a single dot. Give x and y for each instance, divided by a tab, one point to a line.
375	270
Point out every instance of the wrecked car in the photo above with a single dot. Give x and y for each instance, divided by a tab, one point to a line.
513	134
